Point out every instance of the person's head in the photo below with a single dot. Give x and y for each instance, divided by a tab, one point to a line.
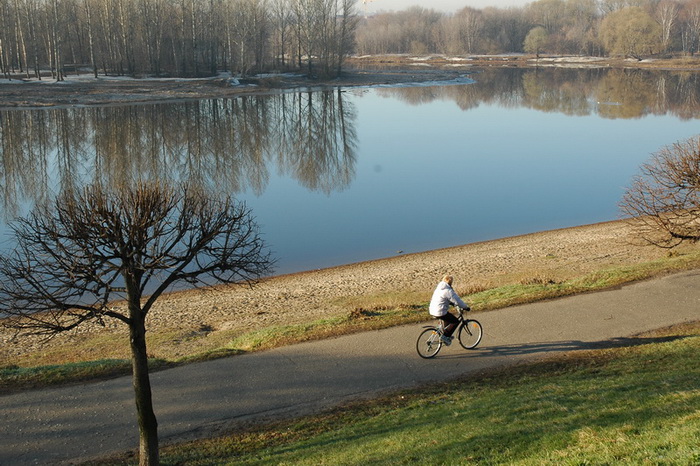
447	279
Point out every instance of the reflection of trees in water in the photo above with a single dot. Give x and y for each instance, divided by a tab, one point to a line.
688	95
225	145
566	92
624	94
413	95
317	145
26	142
641	93
608	93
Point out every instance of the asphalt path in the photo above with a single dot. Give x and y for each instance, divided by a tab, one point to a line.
68	424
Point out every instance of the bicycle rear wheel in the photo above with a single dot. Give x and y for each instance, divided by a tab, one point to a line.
470	333
429	343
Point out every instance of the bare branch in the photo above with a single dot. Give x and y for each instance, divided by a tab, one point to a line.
663	202
73	259
97	245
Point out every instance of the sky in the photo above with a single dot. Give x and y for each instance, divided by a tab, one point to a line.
450	6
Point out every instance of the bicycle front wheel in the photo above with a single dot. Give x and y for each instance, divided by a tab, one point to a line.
429	343
470	333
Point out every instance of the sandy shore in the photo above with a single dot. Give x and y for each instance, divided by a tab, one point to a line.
303	297
555	255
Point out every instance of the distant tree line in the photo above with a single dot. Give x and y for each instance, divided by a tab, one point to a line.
174	37
203	37
631	28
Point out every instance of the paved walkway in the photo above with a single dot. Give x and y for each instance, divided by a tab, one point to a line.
65	424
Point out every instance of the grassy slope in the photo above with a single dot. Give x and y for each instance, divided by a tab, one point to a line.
637	404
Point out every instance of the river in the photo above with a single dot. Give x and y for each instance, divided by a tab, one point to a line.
353	174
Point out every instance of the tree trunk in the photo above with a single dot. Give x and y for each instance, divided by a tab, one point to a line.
91	42
21	39
148	425
56	43
3	68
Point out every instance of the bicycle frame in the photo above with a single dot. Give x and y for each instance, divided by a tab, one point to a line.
440	326
468	332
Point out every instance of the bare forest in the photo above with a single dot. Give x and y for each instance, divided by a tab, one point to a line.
203	37
173	37
629	28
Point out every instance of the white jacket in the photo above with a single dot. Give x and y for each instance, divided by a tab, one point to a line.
443	296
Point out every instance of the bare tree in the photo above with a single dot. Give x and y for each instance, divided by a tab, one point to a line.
663	202
504	30
666	15
691	33
346	25
250	24
470	23
78	254
580	24
55	49
550	14
281	18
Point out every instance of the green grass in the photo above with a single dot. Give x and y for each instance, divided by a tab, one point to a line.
636	404
355	321
56	374
540	288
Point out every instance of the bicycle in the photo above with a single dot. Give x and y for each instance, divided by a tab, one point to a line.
430	340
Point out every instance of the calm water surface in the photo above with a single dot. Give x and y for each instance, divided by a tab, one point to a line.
432	174
356	174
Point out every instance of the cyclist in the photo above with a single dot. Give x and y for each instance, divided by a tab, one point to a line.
443	297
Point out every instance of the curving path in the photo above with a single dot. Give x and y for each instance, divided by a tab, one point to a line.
68	424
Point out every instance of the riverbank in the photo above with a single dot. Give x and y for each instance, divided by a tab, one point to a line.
520	60
186	322
85	90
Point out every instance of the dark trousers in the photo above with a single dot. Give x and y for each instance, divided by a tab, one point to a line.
449	323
